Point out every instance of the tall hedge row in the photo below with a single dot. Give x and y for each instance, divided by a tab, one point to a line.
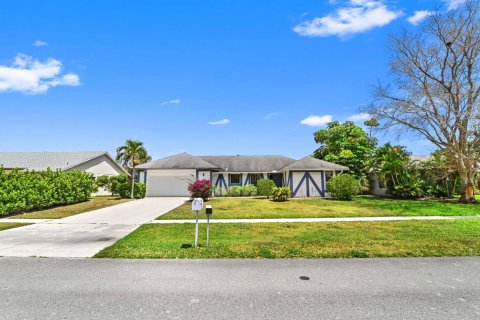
28	190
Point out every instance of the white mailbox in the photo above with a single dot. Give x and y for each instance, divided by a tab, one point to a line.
197	204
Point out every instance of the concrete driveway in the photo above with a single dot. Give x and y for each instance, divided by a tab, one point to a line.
85	234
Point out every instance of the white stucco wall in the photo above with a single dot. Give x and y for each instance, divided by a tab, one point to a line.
203	175
302	190
100	166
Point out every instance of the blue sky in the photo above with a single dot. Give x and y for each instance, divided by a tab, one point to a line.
206	77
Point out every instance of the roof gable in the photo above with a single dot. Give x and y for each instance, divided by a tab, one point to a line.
310	163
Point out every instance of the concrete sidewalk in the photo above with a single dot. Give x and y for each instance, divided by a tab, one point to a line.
319	220
85	234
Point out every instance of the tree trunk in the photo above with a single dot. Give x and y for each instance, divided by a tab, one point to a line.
468	194
133	181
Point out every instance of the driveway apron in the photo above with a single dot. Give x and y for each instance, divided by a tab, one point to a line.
83	235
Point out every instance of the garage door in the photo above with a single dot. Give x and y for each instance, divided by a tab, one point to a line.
168	183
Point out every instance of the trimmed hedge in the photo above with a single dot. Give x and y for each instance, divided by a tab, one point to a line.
29	190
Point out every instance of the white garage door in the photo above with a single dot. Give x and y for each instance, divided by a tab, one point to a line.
169	183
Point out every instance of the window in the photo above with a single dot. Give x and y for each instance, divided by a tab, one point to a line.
254	177
235	179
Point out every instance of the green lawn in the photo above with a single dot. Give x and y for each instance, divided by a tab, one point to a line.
304	240
70	210
10	225
365	206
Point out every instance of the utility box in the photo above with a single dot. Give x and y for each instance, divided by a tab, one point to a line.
208	210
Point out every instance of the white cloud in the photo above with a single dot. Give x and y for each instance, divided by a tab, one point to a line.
220	122
454	4
316	121
271	115
419	16
359	117
39	43
172	101
30	76
357	16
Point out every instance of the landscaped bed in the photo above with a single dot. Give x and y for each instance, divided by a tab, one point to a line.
73	209
10	225
303	240
364	206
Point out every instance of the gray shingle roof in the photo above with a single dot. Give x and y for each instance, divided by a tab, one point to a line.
310	163
178	161
42	160
249	163
240	163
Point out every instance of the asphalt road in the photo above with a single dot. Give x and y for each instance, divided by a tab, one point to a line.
426	288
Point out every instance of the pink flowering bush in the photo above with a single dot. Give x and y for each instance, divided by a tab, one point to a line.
200	189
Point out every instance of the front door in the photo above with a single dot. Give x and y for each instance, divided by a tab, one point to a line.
277	178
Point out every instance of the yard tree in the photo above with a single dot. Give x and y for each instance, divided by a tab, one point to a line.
345	144
435	87
131	154
371	123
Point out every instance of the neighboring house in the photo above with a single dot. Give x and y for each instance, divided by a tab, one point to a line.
99	163
170	176
378	187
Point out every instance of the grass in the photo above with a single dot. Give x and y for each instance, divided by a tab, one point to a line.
73	209
10	225
303	240
365	206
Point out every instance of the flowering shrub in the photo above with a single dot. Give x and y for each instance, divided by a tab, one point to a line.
200	189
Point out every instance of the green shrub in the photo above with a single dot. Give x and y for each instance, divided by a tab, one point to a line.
249	190
265	187
234	191
104	182
239	191
29	190
122	185
343	187
281	194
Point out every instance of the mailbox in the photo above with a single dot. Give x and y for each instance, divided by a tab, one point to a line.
208	210
197	204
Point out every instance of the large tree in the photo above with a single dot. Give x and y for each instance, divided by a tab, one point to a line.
435	87
345	144
130	155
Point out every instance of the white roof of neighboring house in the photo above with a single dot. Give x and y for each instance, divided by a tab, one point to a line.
54	160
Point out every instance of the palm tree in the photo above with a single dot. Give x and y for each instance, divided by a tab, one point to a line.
131	154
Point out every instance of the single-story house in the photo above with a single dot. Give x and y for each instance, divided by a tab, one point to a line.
99	163
170	176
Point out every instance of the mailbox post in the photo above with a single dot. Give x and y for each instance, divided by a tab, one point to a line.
197	205
209	212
